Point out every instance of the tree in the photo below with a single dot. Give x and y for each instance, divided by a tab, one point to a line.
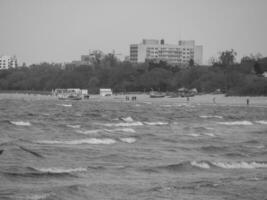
227	57
191	62
257	69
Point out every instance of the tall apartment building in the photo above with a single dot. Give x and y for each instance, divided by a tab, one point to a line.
156	50
8	62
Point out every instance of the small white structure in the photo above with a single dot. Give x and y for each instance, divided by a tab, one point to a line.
105	92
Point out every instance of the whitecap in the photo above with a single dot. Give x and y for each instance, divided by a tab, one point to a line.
124	124
261	122
61	170
209	134
20	123
129	140
65	105
240	165
210	116
38	197
128	130
74	126
194	134
236	123
82	141
127	119
87	132
200	164
156	123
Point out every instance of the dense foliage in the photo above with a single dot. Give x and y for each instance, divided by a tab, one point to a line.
233	78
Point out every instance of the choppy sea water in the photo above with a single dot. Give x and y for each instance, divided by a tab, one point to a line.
51	149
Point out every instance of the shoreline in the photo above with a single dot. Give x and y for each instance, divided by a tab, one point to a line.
204	99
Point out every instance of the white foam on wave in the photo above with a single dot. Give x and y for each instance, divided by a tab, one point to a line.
127	119
240	165
65	105
261	122
200	164
236	123
82	141
61	170
194	134
156	123
20	123
38	196
124	124
129	140
209	134
210	116
128	130
88	132
74	126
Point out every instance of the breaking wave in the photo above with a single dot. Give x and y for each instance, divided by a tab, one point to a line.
82	141
65	105
156	123
128	130
236	123
261	122
240	165
21	123
74	126
200	164
87	132
60	170
127	119
129	140
210	116
124	124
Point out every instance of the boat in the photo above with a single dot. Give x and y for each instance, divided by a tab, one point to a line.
154	94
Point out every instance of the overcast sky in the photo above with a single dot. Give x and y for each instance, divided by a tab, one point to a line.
62	30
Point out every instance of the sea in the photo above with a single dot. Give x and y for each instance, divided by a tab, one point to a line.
141	150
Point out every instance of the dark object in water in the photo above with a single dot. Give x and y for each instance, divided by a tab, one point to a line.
31	152
1	151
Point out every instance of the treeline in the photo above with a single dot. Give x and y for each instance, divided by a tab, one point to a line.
244	78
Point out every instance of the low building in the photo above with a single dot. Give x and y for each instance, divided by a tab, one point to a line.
7	62
105	92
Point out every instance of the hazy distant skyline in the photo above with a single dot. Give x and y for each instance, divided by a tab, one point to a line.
63	30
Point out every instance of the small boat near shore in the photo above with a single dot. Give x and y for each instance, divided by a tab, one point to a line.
155	94
70	97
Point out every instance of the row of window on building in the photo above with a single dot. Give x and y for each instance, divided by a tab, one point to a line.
7	62
180	53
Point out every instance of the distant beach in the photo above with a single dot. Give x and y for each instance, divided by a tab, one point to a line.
205	99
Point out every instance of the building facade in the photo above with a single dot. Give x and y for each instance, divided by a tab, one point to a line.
7	62
156	50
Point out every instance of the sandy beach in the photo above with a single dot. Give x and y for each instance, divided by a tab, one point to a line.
206	99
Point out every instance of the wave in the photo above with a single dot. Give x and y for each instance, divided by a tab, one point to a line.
261	122
209	134
129	140
128	130
60	170
82	141
21	123
212	148
65	105
156	123
200	164
240	165
38	196
87	132
74	126
211	116
127	119
236	123
194	134
124	124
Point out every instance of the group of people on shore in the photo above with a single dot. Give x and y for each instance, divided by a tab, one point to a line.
133	98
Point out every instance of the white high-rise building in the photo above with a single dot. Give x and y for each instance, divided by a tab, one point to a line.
8	62
156	50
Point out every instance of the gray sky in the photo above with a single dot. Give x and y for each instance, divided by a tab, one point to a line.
62	30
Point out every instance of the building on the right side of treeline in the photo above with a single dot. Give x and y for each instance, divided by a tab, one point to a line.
7	62
155	50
